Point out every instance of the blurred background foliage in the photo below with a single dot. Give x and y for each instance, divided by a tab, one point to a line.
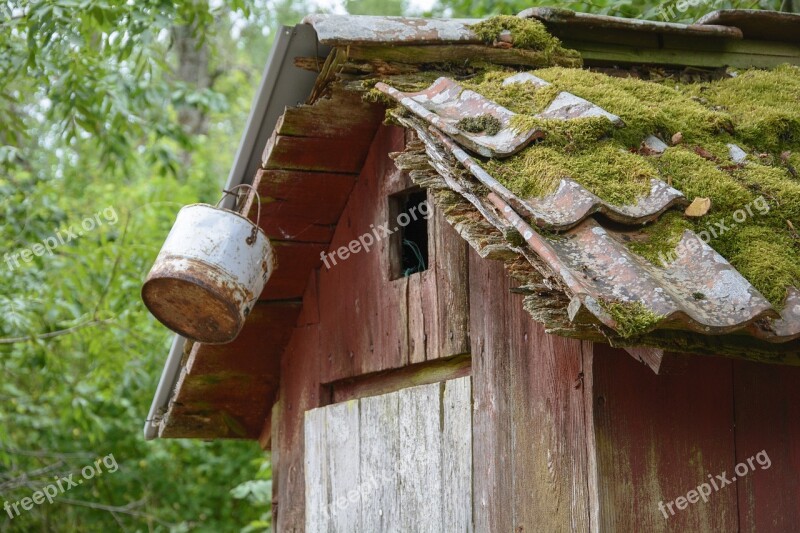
134	106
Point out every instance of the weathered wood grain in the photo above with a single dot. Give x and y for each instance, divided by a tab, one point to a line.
492	457
318	154
531	466
299	392
548	434
321	195
395	462
450	287
378	323
457	456
344	472
380	448
768	420
343	113
317	472
658	437
420	459
366	313
301	206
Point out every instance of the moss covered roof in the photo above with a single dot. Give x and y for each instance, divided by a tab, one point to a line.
756	203
728	137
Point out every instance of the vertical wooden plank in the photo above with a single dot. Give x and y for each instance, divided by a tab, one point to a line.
548	435
380	452
342	431
658	437
418	338
457	456
592	472
419	462
365	314
492	475
299	392
768	423
451	266
317	480
530	456
277	461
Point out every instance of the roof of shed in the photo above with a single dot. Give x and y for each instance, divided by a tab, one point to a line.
322	143
602	261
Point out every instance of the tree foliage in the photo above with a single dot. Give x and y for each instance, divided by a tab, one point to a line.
98	117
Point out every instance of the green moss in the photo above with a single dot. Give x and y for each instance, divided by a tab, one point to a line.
647	108
569	135
763	257
525	33
612	173
632	318
661	238
486	124
518	97
764	105
696	177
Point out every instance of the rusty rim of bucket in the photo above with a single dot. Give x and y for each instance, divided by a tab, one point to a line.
216	321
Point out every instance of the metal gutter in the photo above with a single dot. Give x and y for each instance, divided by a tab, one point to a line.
282	85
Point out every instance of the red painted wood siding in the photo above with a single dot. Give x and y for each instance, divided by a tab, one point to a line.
372	323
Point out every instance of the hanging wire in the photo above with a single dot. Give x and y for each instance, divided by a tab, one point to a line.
420	266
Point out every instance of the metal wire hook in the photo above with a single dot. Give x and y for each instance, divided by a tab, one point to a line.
252	238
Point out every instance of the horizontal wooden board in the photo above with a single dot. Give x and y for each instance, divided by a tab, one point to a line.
453	53
319	154
248	354
680	51
296	227
318	197
408	376
226	390
343	113
295	260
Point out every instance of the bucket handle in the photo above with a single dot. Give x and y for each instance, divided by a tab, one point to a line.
252	238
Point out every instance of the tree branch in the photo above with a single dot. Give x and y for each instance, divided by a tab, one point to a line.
58	333
127	509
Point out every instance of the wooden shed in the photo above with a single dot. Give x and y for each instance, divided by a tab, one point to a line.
494	307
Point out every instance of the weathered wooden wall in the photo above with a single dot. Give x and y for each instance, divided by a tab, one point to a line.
371	322
529	440
568	436
400	462
658	437
574	436
357	327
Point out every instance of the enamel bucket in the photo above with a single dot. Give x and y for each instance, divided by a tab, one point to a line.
209	273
